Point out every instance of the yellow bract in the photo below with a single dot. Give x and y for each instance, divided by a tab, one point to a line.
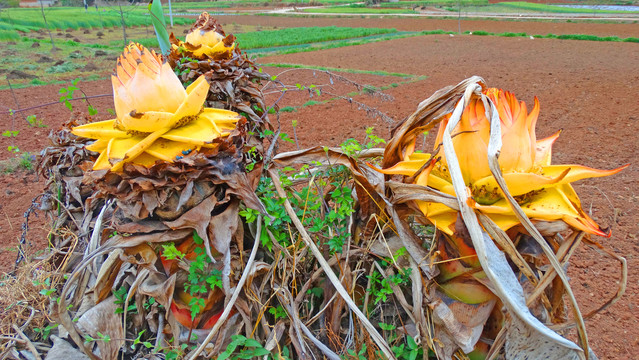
543	190
208	41
157	119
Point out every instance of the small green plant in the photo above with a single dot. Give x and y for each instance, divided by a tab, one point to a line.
381	287
311	103
243	348
408	351
201	278
35	122
10	133
278	312
120	297
45	331
25	161
100	337
66	94
352	354
139	340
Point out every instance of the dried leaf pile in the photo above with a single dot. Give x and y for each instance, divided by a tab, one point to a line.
316	254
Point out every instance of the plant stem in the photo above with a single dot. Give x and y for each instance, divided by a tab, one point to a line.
123	24
53	48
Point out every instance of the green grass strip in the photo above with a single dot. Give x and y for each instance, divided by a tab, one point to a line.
303	35
278	41
557	9
358	9
61	18
410	4
553	36
330	44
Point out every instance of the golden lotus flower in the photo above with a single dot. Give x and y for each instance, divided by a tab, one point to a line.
207	39
542	190
157	119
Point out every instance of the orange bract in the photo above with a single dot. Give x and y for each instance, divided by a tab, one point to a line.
543	190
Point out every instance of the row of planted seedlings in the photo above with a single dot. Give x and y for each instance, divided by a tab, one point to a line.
177	233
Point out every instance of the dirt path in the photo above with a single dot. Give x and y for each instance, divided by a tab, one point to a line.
588	89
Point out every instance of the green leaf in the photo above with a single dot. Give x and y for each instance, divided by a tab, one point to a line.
260	351
252	343
157	18
411	342
413	354
386	327
197	238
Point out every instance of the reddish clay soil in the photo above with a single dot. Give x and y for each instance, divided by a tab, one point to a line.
421	24
588	89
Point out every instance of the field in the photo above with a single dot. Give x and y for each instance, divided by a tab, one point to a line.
584	74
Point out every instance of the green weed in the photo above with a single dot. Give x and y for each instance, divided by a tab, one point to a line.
311	103
63	68
304	35
432	3
358	10
35	122
287	109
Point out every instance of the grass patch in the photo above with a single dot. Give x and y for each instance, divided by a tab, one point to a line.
560	37
529	8
411	4
305	35
311	103
242	3
62	18
23	161
331	44
556	9
62	68
9	35
358	9
288	109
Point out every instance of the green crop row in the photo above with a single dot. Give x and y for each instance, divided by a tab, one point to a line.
293	36
358	9
560	37
76	18
410	4
555	9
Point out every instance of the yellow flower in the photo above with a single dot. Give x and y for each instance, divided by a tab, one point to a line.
207	38
157	119
543	190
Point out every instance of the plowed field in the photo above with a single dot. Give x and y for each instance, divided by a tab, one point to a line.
587	89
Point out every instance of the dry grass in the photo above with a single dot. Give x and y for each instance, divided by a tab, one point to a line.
24	300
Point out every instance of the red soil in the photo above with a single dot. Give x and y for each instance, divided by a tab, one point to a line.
588	89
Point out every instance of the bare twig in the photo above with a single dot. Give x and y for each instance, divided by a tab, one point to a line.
59	102
28	342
